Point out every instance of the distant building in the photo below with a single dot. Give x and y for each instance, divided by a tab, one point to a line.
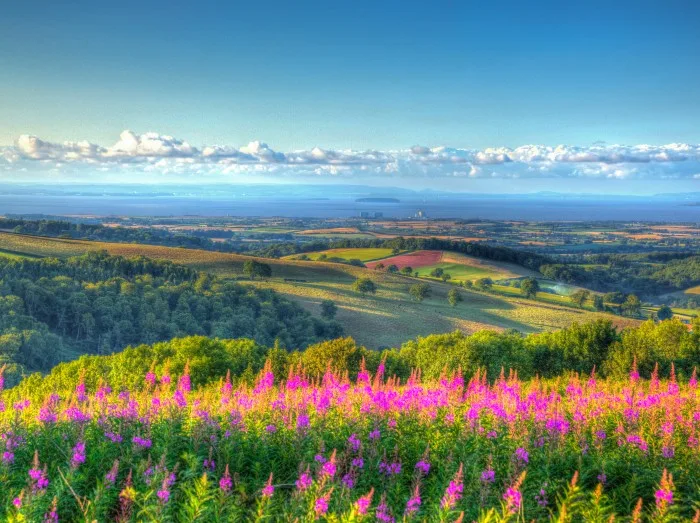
379	215
420	214
364	214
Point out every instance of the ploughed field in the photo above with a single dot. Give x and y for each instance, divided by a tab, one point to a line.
371	449
386	319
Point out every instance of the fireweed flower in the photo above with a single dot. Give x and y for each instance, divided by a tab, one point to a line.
304	481
453	492
664	495
513	498
141	442
354	442
364	502
414	502
423	467
269	489
488	476
321	505
348	481
358	463
383	513
225	483
329	468
111	476
78	454
522	455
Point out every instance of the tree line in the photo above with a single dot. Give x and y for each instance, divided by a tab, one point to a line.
587	348
52	310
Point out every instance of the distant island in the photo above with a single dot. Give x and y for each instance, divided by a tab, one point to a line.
378	200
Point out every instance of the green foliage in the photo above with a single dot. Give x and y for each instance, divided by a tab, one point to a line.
632	306
52	310
255	269
483	284
364	286
664	313
328	309
530	287
419	291
454	297
437	272
580	297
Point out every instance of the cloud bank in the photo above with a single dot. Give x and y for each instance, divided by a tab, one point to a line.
158	154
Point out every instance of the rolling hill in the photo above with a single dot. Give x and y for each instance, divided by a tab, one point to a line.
386	319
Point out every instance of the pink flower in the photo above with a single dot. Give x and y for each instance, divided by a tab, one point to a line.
269	489
225	483
364	502
321	505
513	498
453	492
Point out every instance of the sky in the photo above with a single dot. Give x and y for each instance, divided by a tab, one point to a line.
443	94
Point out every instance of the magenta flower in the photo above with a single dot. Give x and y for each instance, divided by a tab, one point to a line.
225	483
488	476
269	489
514	499
522	455
423	467
78	454
364	502
321	505
453	493
304	481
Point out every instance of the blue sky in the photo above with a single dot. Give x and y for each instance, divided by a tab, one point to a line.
353	75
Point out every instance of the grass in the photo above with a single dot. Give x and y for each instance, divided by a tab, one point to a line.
364	255
384	320
693	290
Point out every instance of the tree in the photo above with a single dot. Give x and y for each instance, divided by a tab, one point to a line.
445	276
664	313
407	271
328	309
484	283
364	286
379	267
254	268
392	269
420	291
454	297
579	297
530	287
437	272
632	306
598	302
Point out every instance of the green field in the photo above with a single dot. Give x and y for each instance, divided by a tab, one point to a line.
459	272
386	319
364	255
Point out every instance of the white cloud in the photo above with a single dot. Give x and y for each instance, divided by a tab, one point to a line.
155	153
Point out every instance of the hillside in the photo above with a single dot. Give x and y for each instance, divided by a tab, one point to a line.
386	319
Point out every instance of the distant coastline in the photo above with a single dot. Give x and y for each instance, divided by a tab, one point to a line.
378	200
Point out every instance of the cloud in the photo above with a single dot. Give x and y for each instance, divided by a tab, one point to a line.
165	155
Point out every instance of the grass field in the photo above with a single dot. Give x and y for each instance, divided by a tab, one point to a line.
386	319
364	255
693	290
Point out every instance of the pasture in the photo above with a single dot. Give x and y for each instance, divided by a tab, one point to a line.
383	320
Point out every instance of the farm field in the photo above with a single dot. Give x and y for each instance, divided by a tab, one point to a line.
693	290
364	255
414	260
385	319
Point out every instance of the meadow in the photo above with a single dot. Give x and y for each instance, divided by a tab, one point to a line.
385	319
300	448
